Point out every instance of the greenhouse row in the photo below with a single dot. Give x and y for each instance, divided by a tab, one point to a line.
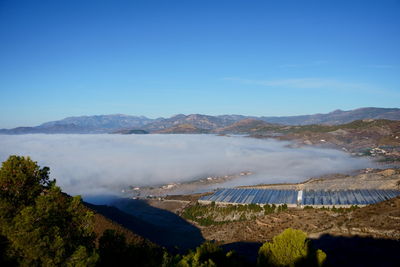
300	197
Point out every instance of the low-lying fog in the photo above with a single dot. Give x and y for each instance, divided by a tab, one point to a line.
103	164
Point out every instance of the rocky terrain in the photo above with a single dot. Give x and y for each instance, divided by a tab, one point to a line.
380	220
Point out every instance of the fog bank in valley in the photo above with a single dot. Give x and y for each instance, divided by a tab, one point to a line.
103	164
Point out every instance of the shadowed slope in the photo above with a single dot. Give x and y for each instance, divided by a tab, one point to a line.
159	226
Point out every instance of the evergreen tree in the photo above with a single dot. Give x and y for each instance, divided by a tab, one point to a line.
42	226
21	182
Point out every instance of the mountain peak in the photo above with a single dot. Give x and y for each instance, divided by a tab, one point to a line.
336	111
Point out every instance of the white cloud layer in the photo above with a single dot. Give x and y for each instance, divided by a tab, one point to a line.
103	164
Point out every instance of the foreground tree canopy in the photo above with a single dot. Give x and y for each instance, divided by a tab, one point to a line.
41	226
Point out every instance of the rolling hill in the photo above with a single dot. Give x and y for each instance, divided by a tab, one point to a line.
338	116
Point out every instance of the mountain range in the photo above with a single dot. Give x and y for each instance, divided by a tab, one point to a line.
196	123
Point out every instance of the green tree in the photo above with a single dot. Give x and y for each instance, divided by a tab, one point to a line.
290	248
52	230
21	182
42	226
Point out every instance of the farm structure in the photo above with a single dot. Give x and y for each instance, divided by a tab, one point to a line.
292	198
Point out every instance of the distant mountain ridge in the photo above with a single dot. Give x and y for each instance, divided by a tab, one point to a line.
114	121
84	125
338	116
246	126
197	123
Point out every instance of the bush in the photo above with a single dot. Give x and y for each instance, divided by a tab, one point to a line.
268	209
290	248
282	207
207	255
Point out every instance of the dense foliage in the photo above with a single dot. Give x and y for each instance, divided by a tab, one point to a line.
39	224
21	182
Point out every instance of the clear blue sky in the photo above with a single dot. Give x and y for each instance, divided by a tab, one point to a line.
159	58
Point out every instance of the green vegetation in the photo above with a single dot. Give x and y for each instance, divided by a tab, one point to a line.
334	209
268	209
290	248
206	255
212	214
40	225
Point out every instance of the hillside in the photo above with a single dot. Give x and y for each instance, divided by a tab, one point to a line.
247	126
182	129
115	121
338	116
198	121
378	220
51	129
102	223
373	137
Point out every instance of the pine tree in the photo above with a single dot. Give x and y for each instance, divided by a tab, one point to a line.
42	226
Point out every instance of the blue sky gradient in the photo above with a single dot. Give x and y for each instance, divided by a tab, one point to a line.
159	58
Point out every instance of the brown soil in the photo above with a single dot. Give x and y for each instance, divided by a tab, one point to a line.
381	220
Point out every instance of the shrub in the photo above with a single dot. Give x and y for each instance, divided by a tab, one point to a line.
290	248
207	255
268	209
